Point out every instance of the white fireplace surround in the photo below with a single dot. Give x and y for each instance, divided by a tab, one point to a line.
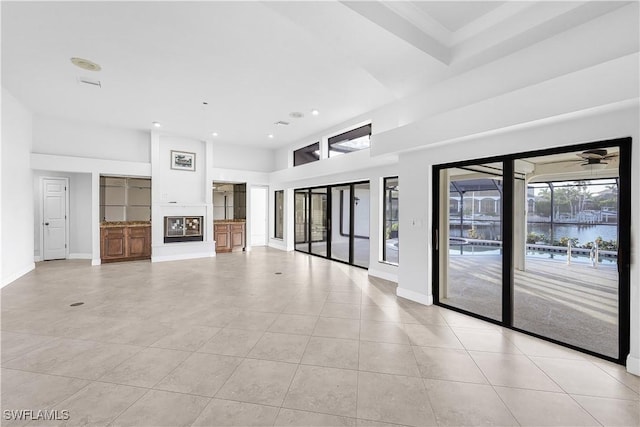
161	251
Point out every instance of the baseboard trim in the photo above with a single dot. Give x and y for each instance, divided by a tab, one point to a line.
414	296
633	365
278	245
384	275
95	262
182	257
15	276
80	256
37	258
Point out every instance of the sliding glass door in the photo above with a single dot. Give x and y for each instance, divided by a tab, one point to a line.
340	222
302	230
333	222
566	283
539	242
319	221
361	206
471	277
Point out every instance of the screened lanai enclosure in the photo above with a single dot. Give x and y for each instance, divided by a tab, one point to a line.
533	242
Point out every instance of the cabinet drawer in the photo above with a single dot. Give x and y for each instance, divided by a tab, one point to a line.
139	231
113	231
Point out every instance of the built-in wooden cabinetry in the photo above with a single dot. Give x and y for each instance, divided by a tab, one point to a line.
125	241
229	235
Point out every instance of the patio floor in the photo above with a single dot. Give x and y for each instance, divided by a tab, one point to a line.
576	304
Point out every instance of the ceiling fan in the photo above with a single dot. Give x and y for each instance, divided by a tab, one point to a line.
595	159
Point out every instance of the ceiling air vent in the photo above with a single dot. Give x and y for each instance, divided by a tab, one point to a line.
84	80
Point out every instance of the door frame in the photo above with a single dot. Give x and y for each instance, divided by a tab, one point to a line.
624	239
266	214
41	180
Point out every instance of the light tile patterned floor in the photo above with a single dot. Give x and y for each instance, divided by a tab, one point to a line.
227	341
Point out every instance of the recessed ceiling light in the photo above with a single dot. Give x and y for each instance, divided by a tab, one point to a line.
315	112
214	134
156	124
85	64
270	136
296	115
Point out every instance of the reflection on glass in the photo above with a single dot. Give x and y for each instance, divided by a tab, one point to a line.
566	274
301	201
472	277
279	214
340	222
362	202
319	221
391	223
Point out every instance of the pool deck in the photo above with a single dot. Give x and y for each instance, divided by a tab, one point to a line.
576	303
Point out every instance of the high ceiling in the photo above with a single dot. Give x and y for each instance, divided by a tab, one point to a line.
254	63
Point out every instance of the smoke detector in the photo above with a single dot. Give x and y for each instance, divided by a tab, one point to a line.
296	115
85	64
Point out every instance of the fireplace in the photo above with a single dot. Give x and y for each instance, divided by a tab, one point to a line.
183	229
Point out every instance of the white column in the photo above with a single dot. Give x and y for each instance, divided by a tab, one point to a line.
157	198
209	236
95	218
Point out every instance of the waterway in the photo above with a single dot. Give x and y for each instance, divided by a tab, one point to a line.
584	233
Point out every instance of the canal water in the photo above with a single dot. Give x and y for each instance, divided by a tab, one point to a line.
584	233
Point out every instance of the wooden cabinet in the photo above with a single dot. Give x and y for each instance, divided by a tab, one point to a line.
229	236
125	243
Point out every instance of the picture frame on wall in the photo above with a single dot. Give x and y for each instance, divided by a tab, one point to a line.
182	160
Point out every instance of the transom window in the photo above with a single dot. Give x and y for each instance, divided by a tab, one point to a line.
308	154
353	140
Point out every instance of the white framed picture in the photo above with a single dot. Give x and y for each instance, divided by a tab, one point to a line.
182	160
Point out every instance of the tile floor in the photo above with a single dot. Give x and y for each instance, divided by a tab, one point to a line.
227	341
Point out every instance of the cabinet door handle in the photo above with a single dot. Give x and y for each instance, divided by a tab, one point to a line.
46	223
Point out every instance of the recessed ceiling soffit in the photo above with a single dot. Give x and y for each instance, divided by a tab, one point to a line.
456	32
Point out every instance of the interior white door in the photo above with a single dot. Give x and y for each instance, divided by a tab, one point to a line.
54	218
259	201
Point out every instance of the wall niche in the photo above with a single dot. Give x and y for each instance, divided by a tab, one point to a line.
125	198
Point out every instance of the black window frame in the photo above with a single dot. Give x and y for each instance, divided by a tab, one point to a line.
306	154
348	136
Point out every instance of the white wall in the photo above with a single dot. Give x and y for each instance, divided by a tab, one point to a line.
17	190
227	156
81	139
80	192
